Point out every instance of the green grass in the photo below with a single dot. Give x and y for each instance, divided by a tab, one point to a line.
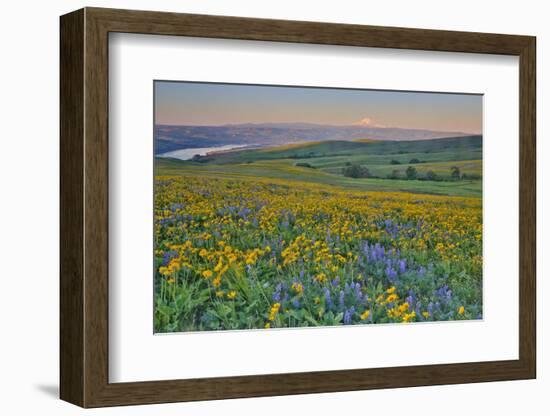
286	170
463	148
442	169
327	160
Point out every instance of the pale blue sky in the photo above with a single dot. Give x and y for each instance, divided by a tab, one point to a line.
185	103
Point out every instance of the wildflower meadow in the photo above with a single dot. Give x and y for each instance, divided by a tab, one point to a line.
260	253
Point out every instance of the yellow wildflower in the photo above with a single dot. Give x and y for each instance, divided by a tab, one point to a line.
321	278
365	314
408	316
393	297
274	310
404	307
298	287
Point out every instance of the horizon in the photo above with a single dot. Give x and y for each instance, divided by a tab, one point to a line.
276	124
198	104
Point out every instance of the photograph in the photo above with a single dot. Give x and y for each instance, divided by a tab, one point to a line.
288	206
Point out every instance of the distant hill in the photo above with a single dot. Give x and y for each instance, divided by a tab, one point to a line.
169	138
458	148
164	146
325	162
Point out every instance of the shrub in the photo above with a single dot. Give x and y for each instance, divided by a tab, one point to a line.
411	172
356	171
455	173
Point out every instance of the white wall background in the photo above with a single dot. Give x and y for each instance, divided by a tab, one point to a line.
29	210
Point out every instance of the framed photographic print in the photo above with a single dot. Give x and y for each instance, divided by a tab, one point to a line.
257	207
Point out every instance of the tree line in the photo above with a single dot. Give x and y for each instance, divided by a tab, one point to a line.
354	170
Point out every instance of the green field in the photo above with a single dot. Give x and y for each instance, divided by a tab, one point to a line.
328	159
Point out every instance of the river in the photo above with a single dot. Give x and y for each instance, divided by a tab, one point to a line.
186	154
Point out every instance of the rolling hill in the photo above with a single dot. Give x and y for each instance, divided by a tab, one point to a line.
168	138
324	163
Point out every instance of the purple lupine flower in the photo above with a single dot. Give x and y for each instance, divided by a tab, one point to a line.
327	296
296	303
381	251
347	318
421	271
336	281
341	299
402	266
244	213
348	314
374	253
358	293
444	293
277	294
366	251
417	309
169	255
391	274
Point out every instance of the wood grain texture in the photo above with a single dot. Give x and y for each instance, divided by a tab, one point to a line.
527	208
84	207
71	100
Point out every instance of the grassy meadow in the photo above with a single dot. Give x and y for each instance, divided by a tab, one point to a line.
291	236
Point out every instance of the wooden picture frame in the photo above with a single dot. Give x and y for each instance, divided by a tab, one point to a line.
84	207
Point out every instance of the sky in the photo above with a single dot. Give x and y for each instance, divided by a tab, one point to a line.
187	103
